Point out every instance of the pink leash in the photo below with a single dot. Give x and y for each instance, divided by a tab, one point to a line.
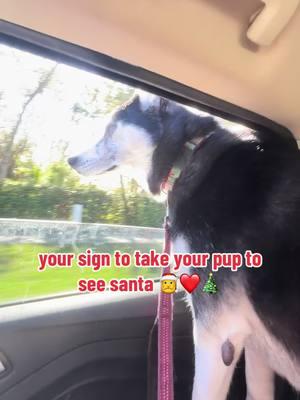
165	384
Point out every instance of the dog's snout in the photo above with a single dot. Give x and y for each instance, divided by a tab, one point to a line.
73	161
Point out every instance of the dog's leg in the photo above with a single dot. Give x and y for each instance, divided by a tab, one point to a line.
212	376
220	333
259	376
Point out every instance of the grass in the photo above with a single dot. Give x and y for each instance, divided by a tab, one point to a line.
20	279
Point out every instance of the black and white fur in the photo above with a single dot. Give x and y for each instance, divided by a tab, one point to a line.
238	191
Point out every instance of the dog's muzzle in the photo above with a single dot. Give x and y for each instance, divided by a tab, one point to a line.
73	161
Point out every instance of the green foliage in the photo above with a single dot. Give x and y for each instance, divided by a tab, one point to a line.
27	171
22	167
46	201
116	95
51	193
49	202
60	174
140	210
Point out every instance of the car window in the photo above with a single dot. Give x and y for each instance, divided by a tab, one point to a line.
49	110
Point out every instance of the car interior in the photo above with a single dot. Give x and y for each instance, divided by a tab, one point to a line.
236	60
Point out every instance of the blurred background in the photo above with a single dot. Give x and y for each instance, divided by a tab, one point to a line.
49	110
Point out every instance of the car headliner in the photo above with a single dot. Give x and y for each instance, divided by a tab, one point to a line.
201	43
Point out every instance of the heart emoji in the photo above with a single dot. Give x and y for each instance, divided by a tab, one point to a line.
190	282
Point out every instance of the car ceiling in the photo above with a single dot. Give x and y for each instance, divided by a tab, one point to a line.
201	43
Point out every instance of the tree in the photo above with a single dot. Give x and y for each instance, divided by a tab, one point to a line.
210	286
125	202
101	101
7	152
22	167
59	174
117	94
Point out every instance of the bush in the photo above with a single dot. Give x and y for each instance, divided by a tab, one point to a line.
19	200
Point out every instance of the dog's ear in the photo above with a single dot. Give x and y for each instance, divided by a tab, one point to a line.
177	128
148	102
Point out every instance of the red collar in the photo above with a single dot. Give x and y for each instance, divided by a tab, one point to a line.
175	171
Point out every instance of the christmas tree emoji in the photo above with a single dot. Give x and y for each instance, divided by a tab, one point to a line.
210	286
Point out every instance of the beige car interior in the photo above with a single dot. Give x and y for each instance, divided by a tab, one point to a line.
245	51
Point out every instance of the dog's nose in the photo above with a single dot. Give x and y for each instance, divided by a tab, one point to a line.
73	160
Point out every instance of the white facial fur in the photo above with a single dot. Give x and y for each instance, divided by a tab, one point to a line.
128	147
135	149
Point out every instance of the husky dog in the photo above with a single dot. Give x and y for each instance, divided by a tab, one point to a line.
237	191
